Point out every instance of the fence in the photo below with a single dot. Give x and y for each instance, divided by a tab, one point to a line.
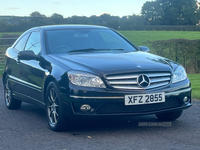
4	44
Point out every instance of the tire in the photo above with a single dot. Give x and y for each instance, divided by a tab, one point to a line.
54	108
170	116
10	102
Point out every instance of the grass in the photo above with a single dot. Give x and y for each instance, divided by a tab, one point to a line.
139	37
2	33
195	81
1	72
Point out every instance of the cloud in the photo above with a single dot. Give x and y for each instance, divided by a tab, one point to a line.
13	8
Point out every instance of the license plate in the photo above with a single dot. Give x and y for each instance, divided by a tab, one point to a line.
144	99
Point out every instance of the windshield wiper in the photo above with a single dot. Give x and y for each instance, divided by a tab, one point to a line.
82	50
91	50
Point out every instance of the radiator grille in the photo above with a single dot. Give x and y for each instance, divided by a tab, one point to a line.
130	81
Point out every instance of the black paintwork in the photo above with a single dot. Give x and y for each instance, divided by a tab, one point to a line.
36	72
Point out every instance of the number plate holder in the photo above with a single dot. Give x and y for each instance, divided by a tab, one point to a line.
141	99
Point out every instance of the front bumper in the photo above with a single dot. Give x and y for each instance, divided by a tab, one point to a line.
111	102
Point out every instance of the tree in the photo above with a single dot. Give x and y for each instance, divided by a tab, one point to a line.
36	14
37	19
133	22
57	18
198	14
170	12
151	11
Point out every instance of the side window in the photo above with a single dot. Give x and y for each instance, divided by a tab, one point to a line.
22	42
34	43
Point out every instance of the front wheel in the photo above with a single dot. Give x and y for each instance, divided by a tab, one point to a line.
54	108
169	116
10	102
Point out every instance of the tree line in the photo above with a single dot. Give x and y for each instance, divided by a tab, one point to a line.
19	24
155	15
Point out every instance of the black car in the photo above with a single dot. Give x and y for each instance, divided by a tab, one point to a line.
76	71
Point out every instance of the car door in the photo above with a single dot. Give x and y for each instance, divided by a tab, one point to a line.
12	64
30	71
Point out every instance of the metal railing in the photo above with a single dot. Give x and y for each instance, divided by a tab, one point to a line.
4	44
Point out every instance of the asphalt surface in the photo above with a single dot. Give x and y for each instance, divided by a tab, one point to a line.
27	129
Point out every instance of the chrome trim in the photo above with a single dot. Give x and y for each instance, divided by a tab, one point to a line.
129	81
178	92
159	80
24	82
138	88
122	77
84	97
135	76
123	82
130	87
157	74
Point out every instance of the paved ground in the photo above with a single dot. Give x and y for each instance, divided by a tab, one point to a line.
27	129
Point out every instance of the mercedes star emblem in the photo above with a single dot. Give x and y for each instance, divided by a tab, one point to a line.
143	81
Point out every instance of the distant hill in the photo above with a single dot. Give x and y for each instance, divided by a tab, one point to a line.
5	17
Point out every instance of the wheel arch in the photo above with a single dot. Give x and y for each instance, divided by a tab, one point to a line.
47	81
4	76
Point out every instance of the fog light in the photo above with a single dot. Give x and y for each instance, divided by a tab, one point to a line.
186	99
85	107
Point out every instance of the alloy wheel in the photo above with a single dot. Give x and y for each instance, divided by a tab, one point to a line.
53	107
7	94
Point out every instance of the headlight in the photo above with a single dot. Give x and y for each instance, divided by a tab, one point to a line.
179	74
85	79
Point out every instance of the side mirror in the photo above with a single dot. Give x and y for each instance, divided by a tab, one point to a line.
144	48
28	55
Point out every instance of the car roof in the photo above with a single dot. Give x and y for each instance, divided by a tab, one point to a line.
60	27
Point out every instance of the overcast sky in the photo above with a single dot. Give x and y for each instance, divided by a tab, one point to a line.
69	8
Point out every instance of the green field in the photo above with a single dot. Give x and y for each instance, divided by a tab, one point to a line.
18	33
139	37
195	81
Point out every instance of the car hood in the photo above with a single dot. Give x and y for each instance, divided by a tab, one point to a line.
114	63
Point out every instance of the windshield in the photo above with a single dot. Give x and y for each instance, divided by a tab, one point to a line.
86	40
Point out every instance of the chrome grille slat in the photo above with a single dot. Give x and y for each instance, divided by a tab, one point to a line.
157	85
130	81
159	80
123	82
158	75
130	87
122	77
